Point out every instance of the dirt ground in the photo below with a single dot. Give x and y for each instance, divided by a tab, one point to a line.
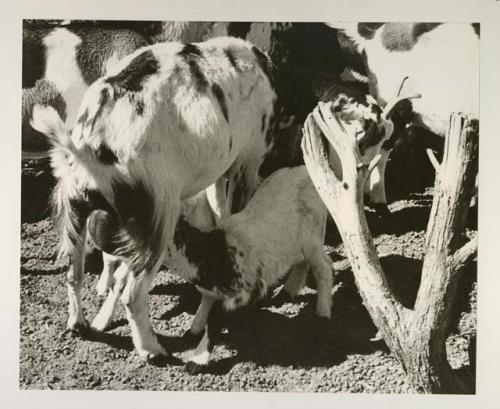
266	348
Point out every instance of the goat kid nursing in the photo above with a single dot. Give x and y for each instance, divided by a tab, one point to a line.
280	230
165	123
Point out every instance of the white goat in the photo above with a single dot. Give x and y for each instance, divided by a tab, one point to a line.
440	62
163	124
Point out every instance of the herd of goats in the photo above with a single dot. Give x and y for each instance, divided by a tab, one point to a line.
181	147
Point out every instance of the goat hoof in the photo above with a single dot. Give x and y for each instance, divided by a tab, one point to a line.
193	368
81	329
98	325
190	338
158	360
102	288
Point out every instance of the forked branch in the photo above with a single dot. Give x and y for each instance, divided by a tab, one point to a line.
416	337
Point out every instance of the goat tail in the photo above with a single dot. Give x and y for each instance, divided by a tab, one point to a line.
70	210
46	120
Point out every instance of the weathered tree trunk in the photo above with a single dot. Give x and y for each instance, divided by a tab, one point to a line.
416	337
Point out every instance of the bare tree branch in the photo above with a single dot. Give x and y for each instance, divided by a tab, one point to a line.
464	255
433	159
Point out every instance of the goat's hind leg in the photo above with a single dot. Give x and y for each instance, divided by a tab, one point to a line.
294	283
76	320
135	300
135	294
322	272
105	315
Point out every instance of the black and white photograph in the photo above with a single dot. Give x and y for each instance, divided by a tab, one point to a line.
244	206
238	204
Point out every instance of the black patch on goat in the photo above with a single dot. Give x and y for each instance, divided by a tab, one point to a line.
230	56
105	155
132	77
265	63
238	29
219	94
404	36
190	49
477	28
422	28
211	254
99	44
400	117
82	119
372	135
191	54
139	107
141	239
367	30
104	98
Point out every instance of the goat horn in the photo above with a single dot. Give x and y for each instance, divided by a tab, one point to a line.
402	85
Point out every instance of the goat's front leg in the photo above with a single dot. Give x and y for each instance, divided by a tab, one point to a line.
200	319
200	360
376	186
76	321
103	319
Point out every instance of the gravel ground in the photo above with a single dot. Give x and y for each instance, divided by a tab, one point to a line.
266	348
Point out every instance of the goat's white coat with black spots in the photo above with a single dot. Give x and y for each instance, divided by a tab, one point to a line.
166	122
281	230
440	61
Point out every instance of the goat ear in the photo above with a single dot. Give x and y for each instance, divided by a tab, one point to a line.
402	111
350	30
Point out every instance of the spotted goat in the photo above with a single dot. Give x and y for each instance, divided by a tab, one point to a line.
440	61
164	123
280	233
281	230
